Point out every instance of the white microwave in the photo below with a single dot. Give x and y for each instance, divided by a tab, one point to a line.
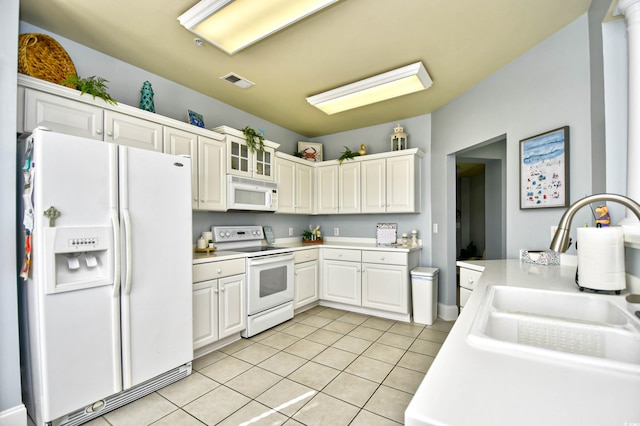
251	194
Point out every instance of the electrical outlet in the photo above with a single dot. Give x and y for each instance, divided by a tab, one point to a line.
291	232
336	232
554	228
435	228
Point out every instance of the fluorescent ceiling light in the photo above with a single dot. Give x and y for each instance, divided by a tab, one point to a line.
233	25
392	84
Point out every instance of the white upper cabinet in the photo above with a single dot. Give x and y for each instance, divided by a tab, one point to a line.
326	184
208	162
242	162
132	131
349	187
374	186
183	143
389	184
295	185
212	161
62	115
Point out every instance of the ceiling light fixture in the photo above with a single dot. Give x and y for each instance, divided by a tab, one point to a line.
233	25
402	81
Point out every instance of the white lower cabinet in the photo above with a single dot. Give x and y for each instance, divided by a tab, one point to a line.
342	282
306	273
376	281
385	287
468	279
218	304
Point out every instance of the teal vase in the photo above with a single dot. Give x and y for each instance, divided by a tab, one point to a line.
146	97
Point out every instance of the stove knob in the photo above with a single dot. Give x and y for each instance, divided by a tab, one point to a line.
227	234
222	233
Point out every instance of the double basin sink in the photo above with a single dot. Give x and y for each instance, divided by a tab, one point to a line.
579	328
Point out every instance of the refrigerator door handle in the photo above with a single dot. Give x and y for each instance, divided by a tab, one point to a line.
127	248
116	253
115	305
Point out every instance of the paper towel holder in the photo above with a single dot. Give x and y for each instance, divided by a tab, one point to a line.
560	242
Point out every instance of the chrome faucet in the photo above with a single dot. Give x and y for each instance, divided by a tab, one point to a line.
560	242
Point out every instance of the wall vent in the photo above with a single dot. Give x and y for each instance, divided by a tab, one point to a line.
236	80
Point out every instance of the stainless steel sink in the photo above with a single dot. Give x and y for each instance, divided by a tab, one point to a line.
576	327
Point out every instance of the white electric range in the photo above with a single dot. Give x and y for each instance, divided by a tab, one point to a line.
269	275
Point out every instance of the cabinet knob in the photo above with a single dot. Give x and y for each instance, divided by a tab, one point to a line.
219	271
215	291
381	257
470	280
99	131
222	289
109	134
339	254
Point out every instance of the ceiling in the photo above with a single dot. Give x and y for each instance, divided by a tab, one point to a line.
459	42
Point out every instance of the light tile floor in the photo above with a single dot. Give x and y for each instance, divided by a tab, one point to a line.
324	367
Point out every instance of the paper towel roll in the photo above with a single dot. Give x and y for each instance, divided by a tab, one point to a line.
601	258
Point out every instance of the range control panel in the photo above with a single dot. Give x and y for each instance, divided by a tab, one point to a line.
223	234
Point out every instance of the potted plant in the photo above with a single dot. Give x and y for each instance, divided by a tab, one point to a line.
255	140
347	155
93	85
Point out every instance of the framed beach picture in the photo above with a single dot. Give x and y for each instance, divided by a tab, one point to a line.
195	118
311	151
544	170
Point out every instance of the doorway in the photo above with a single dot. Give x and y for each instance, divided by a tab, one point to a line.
481	201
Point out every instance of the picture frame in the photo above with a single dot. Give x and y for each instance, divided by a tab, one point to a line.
195	118
311	151
544	170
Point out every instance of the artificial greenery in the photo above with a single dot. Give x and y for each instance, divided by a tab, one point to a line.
347	155
306	235
93	85
298	154
255	140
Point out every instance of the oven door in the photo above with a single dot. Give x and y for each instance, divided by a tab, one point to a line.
269	281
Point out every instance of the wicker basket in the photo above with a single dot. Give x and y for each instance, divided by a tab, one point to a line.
40	56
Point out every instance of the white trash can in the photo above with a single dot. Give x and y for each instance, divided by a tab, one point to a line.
424	288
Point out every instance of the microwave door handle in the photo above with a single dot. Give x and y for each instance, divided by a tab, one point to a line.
269	195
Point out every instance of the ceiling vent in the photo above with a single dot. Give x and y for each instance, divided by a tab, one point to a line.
236	80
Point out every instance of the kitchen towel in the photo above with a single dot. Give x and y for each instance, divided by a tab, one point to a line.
601	258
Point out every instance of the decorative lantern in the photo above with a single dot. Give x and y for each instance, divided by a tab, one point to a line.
398	139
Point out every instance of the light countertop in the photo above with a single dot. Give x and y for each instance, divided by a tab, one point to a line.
467	385
296	244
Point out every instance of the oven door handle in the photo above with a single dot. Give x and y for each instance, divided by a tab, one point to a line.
270	259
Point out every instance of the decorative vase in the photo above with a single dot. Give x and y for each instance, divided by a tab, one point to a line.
146	97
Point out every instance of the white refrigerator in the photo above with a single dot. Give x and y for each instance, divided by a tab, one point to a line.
106	309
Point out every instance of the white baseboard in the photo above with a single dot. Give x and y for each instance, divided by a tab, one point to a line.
16	416
447	312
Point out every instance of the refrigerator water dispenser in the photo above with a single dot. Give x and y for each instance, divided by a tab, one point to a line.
78	258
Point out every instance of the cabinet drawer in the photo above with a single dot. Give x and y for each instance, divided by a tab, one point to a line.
341	254
305	255
464	296
469	278
214	270
384	257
